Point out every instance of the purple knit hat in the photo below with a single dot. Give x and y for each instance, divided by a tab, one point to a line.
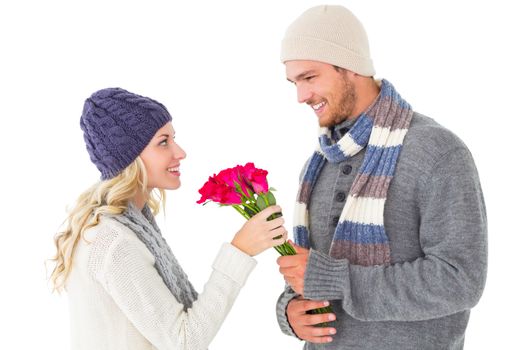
117	126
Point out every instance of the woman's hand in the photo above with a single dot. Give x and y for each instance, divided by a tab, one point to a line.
258	234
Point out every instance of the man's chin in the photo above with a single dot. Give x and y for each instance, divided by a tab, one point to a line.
326	123
330	121
322	121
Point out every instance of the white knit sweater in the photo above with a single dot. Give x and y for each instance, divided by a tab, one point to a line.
119	301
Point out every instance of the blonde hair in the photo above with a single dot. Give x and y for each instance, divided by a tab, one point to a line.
105	197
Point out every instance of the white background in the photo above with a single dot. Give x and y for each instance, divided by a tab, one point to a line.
215	65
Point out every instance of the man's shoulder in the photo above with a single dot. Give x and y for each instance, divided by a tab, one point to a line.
428	136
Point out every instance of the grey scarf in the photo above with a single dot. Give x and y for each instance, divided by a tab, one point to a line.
144	226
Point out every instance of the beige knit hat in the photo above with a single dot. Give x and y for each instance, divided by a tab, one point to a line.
329	34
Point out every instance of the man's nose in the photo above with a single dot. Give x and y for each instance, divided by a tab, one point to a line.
303	93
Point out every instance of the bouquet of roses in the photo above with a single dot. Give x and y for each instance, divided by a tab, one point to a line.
244	188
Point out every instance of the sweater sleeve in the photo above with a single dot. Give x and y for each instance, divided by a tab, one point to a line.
447	279
282	304
129	276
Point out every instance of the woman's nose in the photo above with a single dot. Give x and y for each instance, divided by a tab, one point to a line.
178	152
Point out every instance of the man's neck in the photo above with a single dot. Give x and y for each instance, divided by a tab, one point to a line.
367	90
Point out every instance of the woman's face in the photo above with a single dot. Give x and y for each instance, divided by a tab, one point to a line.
162	157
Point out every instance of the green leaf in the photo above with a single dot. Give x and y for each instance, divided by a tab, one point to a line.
261	203
271	198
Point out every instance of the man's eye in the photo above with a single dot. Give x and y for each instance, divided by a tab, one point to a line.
309	78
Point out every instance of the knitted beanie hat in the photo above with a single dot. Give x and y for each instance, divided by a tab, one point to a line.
117	126
329	34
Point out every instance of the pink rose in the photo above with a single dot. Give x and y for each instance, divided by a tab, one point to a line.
232	177
256	177
229	176
219	191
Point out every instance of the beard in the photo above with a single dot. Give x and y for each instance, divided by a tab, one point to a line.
342	103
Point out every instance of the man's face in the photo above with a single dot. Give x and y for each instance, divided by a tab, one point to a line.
329	92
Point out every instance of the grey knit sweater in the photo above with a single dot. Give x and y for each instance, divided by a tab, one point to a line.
436	222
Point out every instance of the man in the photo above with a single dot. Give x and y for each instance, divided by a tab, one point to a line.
390	215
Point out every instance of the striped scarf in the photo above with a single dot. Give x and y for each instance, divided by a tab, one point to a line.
360	233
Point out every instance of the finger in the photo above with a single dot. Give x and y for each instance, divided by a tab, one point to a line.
278	233
316	339
292	274
294	306
298	248
278	241
319	340
291	280
312	320
288	261
312	331
275	223
267	212
284	237
287	272
308	305
298	286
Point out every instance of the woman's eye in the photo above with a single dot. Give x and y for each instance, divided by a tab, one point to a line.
309	78
163	142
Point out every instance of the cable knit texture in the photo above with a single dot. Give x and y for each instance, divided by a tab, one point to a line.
144	225
118	300
437	227
330	34
360	234
117	126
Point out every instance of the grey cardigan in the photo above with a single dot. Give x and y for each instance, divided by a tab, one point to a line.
436	221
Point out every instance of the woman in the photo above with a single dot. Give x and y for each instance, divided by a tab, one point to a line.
125	287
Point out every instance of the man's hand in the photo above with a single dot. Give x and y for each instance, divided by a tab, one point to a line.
303	324
293	267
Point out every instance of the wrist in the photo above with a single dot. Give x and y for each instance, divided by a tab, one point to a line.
241	247
234	263
325	277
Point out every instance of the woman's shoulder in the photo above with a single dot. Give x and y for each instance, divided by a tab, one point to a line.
108	231
110	240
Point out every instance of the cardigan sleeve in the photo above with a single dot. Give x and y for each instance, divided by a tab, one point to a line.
447	279
129	276
280	310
